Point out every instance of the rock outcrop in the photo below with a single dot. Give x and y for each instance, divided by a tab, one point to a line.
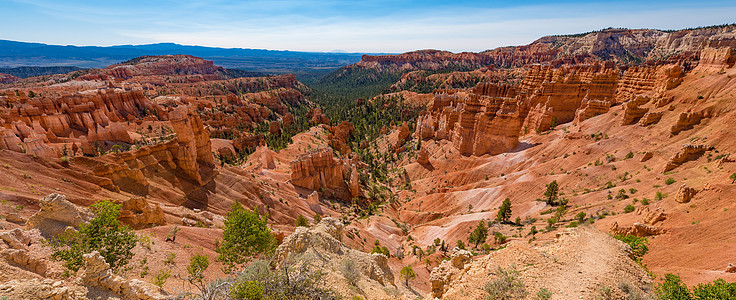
685	194
18	252
340	135
423	157
95	115
686	121
187	156
632	112
317	169
97	274
138	213
650	118
41	289
476	124
194	145
716	59
647	156
651	217
316	116
731	268
637	229
591	108
354	182
687	153
162	65
321	247
56	214
442	275
7	78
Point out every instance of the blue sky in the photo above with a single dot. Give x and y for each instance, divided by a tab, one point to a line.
328	25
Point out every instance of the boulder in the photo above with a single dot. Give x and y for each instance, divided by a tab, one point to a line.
56	214
647	156
685	194
15	239
15	217
731	268
24	259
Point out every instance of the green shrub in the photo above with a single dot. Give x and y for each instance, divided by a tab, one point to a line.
552	192
103	234
672	288
639	245
258	281
197	265
544	294
499	237
248	290
246	234
161	277
719	289
507	285
659	196
629	208
580	217
301	221
604	293
350	272
669	181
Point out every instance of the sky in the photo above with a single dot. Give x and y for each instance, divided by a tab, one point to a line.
378	26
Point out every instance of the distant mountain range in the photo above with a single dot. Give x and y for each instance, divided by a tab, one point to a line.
310	64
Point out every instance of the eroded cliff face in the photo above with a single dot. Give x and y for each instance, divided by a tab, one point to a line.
476	124
188	156
317	169
489	118
623	46
31	123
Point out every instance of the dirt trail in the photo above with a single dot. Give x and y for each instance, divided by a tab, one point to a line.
579	264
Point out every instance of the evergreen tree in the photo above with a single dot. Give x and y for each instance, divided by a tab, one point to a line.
504	212
407	273
552	192
479	235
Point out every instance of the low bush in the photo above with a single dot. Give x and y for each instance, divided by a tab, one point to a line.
507	285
